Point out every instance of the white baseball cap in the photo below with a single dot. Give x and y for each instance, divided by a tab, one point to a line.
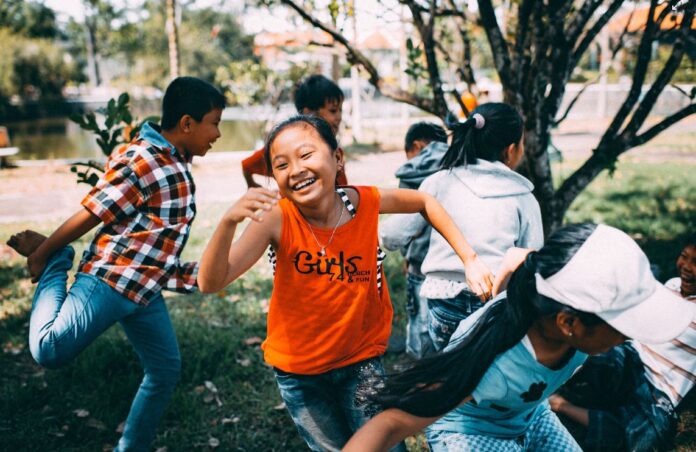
610	276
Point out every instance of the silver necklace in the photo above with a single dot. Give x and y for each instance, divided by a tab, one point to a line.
322	248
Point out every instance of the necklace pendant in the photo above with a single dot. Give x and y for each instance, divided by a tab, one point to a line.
322	252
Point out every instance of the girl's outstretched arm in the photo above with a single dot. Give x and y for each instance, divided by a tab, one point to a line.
224	261
386	430
513	258
478	276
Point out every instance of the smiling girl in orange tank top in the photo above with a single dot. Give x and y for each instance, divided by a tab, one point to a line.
329	315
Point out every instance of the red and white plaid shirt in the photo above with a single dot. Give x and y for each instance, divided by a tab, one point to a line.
146	201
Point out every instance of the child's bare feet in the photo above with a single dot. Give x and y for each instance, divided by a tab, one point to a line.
26	242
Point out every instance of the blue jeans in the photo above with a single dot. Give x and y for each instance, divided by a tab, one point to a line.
418	342
626	411
445	314
328	408
64	322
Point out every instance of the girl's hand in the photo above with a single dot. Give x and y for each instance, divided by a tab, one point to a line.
514	257
479	278
252	205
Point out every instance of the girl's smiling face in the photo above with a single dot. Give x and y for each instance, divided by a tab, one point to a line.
303	164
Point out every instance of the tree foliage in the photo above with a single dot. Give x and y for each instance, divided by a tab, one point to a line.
209	39
117	128
535	47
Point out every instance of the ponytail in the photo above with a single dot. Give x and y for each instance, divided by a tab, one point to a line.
436	385
488	131
462	151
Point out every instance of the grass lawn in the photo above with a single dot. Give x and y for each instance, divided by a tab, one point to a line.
227	397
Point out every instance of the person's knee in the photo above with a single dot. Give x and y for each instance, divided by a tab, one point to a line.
165	375
47	356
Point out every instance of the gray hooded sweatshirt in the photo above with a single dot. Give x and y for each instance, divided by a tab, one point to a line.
494	208
414	244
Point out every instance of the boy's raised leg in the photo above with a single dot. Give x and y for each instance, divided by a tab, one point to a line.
64	322
150	331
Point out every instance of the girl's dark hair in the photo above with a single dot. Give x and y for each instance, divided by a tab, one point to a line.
322	128
436	385
503	127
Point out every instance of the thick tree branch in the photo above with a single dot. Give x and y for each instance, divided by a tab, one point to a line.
581	19
663	125
594	31
522	55
644	52
499	48
670	67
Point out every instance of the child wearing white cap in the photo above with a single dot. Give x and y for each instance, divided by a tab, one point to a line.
586	291
648	382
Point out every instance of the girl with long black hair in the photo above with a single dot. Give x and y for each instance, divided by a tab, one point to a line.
489	202
587	290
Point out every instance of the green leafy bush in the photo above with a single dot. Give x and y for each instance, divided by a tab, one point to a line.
119	128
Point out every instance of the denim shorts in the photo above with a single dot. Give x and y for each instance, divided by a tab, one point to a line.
444	316
328	408
418	342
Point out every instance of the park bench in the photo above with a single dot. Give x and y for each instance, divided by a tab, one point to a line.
6	149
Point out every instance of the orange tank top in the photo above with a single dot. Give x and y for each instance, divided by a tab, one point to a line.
327	312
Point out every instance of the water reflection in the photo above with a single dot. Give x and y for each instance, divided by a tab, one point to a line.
60	138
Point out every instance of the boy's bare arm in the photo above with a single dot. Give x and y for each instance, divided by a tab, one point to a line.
72	229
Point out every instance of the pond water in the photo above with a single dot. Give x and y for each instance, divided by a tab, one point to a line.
60	138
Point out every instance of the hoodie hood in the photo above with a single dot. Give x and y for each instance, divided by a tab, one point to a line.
412	173
492	179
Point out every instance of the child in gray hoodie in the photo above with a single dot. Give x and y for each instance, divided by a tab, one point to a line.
425	145
492	204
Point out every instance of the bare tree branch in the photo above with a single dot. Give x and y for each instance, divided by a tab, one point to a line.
662	125
578	22
592	33
644	52
690	95
571	104
663	78
466	71
357	57
499	47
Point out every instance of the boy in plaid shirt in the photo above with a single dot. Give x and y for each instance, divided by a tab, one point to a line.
145	205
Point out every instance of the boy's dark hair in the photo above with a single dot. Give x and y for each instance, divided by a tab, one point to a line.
503	127
690	241
438	384
314	91
425	131
189	96
322	128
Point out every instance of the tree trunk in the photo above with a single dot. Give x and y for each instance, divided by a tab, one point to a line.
172	39
92	56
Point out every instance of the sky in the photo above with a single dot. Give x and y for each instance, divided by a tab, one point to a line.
254	21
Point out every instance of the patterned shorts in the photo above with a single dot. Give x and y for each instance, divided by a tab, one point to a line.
546	433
